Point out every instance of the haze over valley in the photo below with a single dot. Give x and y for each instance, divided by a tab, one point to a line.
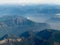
29	24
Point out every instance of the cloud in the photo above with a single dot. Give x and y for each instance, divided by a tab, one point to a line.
30	2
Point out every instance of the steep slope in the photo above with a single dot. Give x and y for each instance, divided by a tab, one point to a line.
45	37
16	25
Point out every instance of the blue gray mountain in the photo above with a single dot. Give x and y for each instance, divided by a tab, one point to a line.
45	37
42	12
29	9
15	25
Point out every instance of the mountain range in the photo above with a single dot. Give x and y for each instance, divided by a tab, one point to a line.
29	9
44	37
40	12
33	24
16	25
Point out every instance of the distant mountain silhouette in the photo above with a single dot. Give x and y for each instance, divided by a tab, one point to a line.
29	9
35	11
16	25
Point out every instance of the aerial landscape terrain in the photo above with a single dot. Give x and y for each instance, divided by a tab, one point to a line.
30	24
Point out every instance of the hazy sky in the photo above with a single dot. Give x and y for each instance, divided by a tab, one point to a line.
30	2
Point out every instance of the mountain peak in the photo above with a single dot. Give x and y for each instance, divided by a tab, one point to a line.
16	25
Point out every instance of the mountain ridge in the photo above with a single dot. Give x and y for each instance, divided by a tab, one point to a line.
16	25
